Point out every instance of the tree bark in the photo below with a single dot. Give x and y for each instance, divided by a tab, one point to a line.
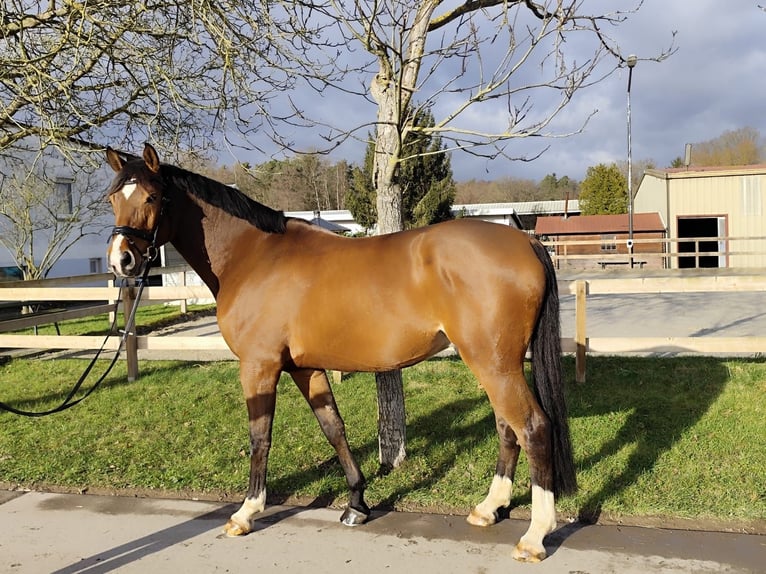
391	417
392	428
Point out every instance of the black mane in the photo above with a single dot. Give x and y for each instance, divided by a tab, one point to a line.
229	199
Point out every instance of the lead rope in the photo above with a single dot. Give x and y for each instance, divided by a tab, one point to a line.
70	401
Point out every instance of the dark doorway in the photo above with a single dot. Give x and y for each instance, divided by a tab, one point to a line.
696	228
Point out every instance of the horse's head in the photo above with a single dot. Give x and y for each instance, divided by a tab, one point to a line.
138	197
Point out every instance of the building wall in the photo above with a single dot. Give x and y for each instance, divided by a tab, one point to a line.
340	216
736	196
652	197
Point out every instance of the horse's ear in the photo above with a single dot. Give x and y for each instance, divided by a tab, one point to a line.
151	158
114	159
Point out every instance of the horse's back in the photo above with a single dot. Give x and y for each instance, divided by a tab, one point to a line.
439	262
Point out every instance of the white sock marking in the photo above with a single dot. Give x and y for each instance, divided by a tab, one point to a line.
499	496
543	516
250	507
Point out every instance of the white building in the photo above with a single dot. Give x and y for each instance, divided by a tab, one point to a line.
70	189
714	216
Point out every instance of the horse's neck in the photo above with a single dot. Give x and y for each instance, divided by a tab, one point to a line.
204	237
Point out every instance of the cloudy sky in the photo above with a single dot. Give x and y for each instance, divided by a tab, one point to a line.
714	82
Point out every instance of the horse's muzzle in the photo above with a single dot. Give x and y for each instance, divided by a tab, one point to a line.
122	259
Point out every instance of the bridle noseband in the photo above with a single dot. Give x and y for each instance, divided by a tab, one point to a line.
130	232
151	236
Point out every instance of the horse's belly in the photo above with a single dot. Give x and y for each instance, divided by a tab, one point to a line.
371	352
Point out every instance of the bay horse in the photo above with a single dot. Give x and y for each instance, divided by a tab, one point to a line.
293	297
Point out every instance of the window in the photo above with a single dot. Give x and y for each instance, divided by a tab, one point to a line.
608	243
62	187
96	265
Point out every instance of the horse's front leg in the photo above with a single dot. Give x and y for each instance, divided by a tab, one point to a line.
316	389
259	384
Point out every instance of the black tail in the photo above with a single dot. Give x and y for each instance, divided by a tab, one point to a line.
548	380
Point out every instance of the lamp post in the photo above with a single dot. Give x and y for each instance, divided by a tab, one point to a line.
631	62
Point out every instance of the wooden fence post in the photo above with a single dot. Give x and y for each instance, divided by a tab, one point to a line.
184	305
581	335
131	343
112	314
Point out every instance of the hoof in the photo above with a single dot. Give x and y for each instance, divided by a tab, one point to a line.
525	553
233	529
353	517
477	519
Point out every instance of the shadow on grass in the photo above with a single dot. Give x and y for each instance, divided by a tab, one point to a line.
457	425
423	433
659	399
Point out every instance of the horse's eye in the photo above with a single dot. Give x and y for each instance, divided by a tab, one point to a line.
151	198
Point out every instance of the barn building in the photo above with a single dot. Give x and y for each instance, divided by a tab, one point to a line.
585	241
714	216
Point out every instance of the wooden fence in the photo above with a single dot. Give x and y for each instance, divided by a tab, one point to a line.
657	252
694	281
67	290
70	289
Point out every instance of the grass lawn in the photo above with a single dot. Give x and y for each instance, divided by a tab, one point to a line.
659	437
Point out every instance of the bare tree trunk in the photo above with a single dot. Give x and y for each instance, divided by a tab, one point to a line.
393	102
391	417
392	428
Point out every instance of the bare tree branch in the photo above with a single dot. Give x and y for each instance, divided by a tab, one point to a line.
164	70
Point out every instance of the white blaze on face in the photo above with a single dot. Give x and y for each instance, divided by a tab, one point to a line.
115	253
128	189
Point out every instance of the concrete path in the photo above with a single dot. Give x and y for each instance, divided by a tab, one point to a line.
68	534
733	314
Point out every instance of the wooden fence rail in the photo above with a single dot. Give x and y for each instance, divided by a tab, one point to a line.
665	250
580	345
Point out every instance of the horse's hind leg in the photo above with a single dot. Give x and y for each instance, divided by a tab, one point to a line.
520	417
316	389
485	513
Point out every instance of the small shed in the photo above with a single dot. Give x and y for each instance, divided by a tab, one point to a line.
502	213
587	241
